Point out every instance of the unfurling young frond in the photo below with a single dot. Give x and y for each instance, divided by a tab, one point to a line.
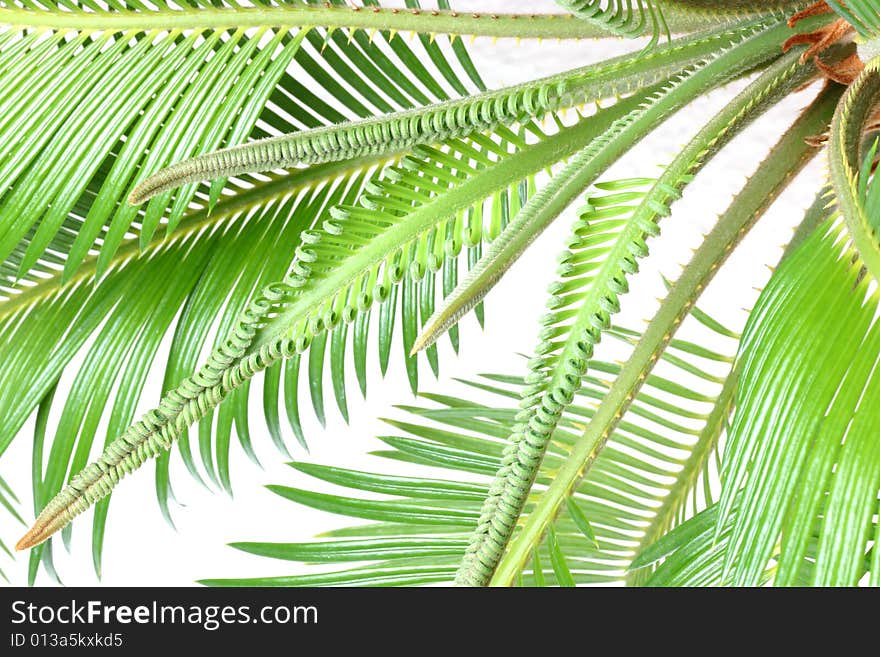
436	123
627	18
397	234
612	518
203	268
852	164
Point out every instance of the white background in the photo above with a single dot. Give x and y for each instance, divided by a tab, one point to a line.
142	550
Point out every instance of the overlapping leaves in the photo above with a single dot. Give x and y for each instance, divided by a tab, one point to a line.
654	472
864	15
338	220
200	268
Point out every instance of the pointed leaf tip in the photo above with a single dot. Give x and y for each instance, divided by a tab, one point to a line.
426	338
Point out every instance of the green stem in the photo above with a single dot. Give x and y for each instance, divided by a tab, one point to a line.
425	21
786	159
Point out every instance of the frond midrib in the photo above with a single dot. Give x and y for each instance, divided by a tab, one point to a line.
452	23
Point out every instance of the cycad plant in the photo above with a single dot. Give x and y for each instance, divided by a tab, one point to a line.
273	181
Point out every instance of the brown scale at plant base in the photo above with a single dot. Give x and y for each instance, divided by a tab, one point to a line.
844	71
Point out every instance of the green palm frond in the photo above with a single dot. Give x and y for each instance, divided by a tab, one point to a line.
96	87
10	504
627	18
810	469
282	189
47	319
334	276
441	122
788	156
586	167
692	554
146	82
615	503
648	478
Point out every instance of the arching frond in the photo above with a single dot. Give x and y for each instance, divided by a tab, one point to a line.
339	270
861	14
787	156
628	18
450	120
201	269
571	181
641	484
402	171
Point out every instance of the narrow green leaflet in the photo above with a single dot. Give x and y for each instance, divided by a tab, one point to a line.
358	255
864	15
89	108
78	143
10	504
791	153
281	189
692	554
627	18
442	122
